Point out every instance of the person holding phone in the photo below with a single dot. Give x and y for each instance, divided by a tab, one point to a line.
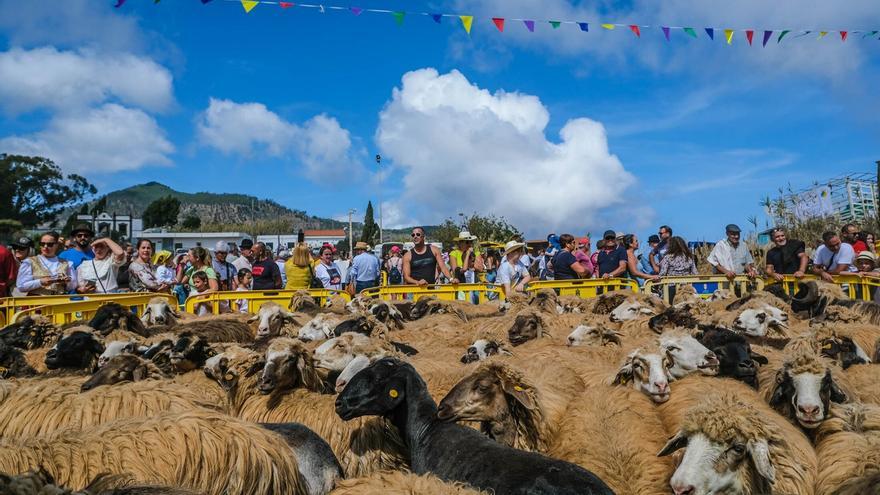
46	274
98	275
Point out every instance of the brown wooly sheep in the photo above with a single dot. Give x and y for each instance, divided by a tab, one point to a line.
735	446
361	446
289	365
401	483
836	342
848	446
614	432
44	406
204	451
303	302
545	301
528	325
124	368
221	328
41	483
31	332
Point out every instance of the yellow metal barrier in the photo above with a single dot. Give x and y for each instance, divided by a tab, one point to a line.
66	312
705	285
856	287
482	292
584	288
11	305
789	283
256	299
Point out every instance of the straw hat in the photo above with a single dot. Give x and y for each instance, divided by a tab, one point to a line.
161	257
362	245
867	255
464	235
512	246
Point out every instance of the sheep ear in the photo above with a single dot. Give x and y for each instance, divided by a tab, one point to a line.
519	393
174	310
837	395
146	316
255	368
253	318
679	441
757	357
783	385
140	373
624	374
760	453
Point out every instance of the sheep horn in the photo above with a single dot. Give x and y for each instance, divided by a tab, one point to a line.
811	296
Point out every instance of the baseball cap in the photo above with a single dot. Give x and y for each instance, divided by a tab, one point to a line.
653	238
246	244
609	234
732	228
23	242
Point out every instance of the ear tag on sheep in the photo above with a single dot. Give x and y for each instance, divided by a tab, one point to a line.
228	376
517	388
826	346
393	393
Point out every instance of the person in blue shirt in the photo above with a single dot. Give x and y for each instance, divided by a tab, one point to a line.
82	236
364	271
612	258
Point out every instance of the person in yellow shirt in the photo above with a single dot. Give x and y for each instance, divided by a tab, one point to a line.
298	268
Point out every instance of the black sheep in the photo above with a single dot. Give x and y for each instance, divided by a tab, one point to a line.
361	325
13	364
316	461
29	333
79	351
452	452
673	316
114	316
737	359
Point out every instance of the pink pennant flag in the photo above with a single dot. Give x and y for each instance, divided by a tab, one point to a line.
530	25
499	23
665	32
635	29
843	35
356	10
286	5
749	35
119	3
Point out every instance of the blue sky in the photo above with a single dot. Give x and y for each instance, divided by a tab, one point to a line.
556	129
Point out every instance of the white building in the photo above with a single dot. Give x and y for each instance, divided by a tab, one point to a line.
175	241
314	239
127	226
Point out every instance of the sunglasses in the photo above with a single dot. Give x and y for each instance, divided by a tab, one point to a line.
416	234
47	244
82	236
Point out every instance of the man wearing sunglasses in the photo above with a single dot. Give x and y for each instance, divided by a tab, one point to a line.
46	274
420	264
82	236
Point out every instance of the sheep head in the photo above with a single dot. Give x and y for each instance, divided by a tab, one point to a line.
756	322
116	348
271	318
632	309
190	352
159	312
804	388
593	335
336	353
842	350
123	368
114	316
727	449
688	355
232	365
13	363
303	302
289	365
546	301
527	326
737	360
648	372
674	316
482	349
31	332
79	350
378	389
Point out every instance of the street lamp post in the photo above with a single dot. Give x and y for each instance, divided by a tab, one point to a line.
378	164
350	245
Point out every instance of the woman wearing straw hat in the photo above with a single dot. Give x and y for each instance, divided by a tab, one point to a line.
512	274
461	257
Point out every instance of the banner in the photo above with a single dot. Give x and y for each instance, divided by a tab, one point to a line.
813	203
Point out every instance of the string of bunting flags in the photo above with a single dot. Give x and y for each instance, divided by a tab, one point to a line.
500	23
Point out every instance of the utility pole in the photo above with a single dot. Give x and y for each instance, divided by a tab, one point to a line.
378	165
350	244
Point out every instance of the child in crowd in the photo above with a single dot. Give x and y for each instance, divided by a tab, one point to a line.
244	279
164	268
200	285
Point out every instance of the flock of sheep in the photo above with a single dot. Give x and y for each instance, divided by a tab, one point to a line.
767	393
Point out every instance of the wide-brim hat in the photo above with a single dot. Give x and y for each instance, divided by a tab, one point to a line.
82	227
513	246
867	255
161	257
362	245
464	235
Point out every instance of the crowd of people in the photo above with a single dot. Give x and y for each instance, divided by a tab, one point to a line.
86	264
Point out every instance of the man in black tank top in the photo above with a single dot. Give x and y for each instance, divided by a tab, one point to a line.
421	262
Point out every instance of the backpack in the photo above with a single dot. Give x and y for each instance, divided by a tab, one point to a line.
394	276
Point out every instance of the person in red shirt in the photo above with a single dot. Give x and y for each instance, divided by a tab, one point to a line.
850	234
8	271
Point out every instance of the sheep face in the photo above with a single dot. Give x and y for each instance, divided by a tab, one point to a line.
114	316
737	360
318	328
711	467
720	294
79	350
376	390
29	333
336	353
13	363
592	335
387	313
844	351
190	352
288	366
481	349
525	328
361	325
648	372
354	367
805	396
159	312
218	369
423	307
271	318
688	356
675	316
630	310
482	396
116	348
122	368
756	322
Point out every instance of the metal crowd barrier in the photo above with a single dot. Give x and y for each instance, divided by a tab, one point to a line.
481	293
11	305
584	288
219	302
66	312
705	285
854	286
789	283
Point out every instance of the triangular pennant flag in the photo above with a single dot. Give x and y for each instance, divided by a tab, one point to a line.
749	35
608	26
690	32
585	26
728	33
665	32
530	25
555	24
803	33
156	1
206	1
711	33
499	23
822	34
287	5
635	29
467	21
398	17
249	5
767	35
356	10
437	17
843	35
872	33
782	35
119	3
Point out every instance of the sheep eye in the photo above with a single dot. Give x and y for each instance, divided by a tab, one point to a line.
673	348
738	449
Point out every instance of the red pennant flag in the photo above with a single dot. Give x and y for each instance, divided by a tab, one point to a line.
635	29
285	5
499	23
843	35
749	35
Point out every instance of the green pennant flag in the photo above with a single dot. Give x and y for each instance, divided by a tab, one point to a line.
690	32
782	35
398	17
555	24
872	33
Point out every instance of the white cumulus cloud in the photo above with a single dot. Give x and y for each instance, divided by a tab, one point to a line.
67	80
461	148
109	138
320	144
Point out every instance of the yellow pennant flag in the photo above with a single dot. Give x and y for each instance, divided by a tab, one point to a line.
729	34
249	5
822	34
467	21
608	26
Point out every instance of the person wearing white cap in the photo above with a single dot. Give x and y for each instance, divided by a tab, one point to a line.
512	274
461	257
225	270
